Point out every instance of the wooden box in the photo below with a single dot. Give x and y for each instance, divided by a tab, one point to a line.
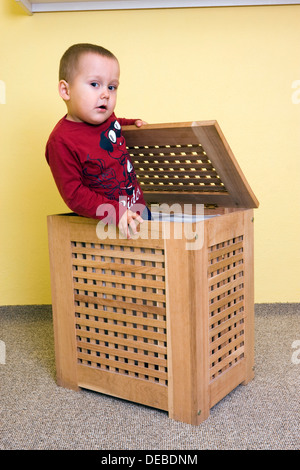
165	319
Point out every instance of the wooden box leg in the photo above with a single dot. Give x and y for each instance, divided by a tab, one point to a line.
62	301
186	336
249	294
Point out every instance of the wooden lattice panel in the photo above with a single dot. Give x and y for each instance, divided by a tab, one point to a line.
226	310
120	309
175	168
187	163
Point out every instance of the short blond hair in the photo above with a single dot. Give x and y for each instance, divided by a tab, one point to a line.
69	61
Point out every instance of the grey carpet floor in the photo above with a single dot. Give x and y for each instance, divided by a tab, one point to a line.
36	414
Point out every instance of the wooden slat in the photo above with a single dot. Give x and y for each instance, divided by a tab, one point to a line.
227	311
132	255
123	365
191	161
226	336
111	351
176	197
124	330
130	268
129	343
179	175
225	250
226	300
119	317
218	278
119	304
226	361
226	324
124	280
225	262
173	151
229	286
126	293
218	354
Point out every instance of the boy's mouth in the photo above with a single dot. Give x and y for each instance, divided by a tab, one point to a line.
102	107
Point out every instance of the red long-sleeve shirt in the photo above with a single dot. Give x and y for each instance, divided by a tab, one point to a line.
92	168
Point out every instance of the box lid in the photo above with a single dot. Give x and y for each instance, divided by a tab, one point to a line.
187	163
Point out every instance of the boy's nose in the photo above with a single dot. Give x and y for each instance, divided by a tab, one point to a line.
104	93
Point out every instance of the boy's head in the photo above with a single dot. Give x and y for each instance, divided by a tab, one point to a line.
88	82
69	62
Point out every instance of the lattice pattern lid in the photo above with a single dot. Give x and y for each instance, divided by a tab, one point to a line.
187	163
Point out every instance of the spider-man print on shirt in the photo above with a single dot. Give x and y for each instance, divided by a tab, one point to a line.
101	172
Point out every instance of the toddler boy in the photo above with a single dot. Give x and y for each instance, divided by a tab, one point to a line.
86	150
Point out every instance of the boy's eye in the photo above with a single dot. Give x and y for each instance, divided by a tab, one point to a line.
112	87
95	84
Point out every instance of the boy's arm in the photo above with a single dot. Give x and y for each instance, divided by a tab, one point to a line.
67	173
130	122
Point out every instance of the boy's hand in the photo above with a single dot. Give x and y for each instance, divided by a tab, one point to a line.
129	221
140	123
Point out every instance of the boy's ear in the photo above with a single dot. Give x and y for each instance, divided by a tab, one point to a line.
63	89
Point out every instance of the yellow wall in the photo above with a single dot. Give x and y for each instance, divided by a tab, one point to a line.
234	64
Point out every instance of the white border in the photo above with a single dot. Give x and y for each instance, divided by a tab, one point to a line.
32	6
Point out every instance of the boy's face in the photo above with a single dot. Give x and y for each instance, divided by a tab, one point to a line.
92	93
